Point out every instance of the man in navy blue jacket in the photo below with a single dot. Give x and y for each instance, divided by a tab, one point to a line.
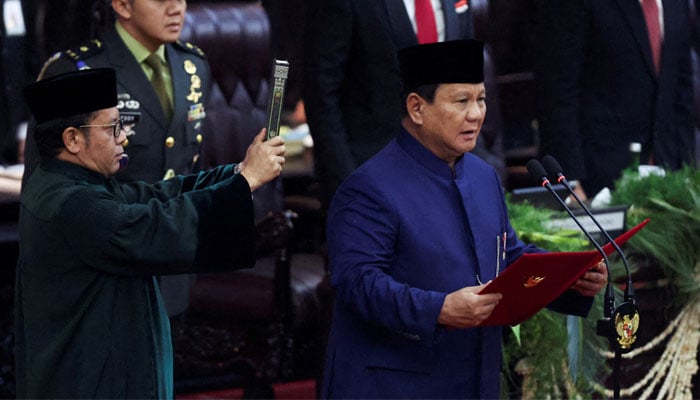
411	242
351	76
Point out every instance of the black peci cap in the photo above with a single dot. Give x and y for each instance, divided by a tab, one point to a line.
456	61
71	94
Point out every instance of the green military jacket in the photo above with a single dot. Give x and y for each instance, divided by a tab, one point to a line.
157	147
90	322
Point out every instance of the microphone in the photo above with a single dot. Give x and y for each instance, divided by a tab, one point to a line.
554	170
538	172
619	324
622	327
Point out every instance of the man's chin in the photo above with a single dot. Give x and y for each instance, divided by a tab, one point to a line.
171	36
468	146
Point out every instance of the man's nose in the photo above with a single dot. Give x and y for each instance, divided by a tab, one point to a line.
475	111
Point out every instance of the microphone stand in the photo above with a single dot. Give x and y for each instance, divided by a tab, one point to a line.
608	327
604	326
553	168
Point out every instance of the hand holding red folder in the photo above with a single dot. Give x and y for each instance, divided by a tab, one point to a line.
592	281
535	280
466	307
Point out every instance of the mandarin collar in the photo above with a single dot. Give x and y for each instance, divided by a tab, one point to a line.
426	158
73	171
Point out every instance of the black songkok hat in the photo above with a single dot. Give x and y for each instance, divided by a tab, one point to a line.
71	94
456	61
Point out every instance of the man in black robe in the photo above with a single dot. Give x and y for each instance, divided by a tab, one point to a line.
90	318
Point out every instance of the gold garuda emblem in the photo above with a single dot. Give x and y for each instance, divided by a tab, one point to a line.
533	281
626	328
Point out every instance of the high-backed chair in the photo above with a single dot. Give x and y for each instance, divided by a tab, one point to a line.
236	40
275	300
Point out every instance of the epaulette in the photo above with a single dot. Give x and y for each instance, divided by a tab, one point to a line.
76	55
84	51
189	47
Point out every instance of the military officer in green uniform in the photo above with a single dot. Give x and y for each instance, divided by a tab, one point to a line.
162	86
90	321
162	140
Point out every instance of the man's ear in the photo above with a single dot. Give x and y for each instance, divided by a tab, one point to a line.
73	139
414	106
122	8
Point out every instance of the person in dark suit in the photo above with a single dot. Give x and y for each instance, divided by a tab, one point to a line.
14	66
162	141
351	77
695	61
600	89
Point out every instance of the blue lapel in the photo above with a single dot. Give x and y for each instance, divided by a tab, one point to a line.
181	85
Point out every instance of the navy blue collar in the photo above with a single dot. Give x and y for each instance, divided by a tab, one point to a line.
426	158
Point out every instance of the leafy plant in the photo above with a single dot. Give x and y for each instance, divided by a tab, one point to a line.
671	240
672	236
565	349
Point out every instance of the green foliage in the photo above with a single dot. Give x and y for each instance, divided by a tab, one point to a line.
562	347
529	222
672	236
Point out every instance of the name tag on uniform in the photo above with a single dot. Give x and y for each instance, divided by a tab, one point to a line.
129	121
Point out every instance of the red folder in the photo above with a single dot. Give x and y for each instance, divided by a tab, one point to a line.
535	280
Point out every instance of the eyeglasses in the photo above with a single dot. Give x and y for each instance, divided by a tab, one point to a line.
118	127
